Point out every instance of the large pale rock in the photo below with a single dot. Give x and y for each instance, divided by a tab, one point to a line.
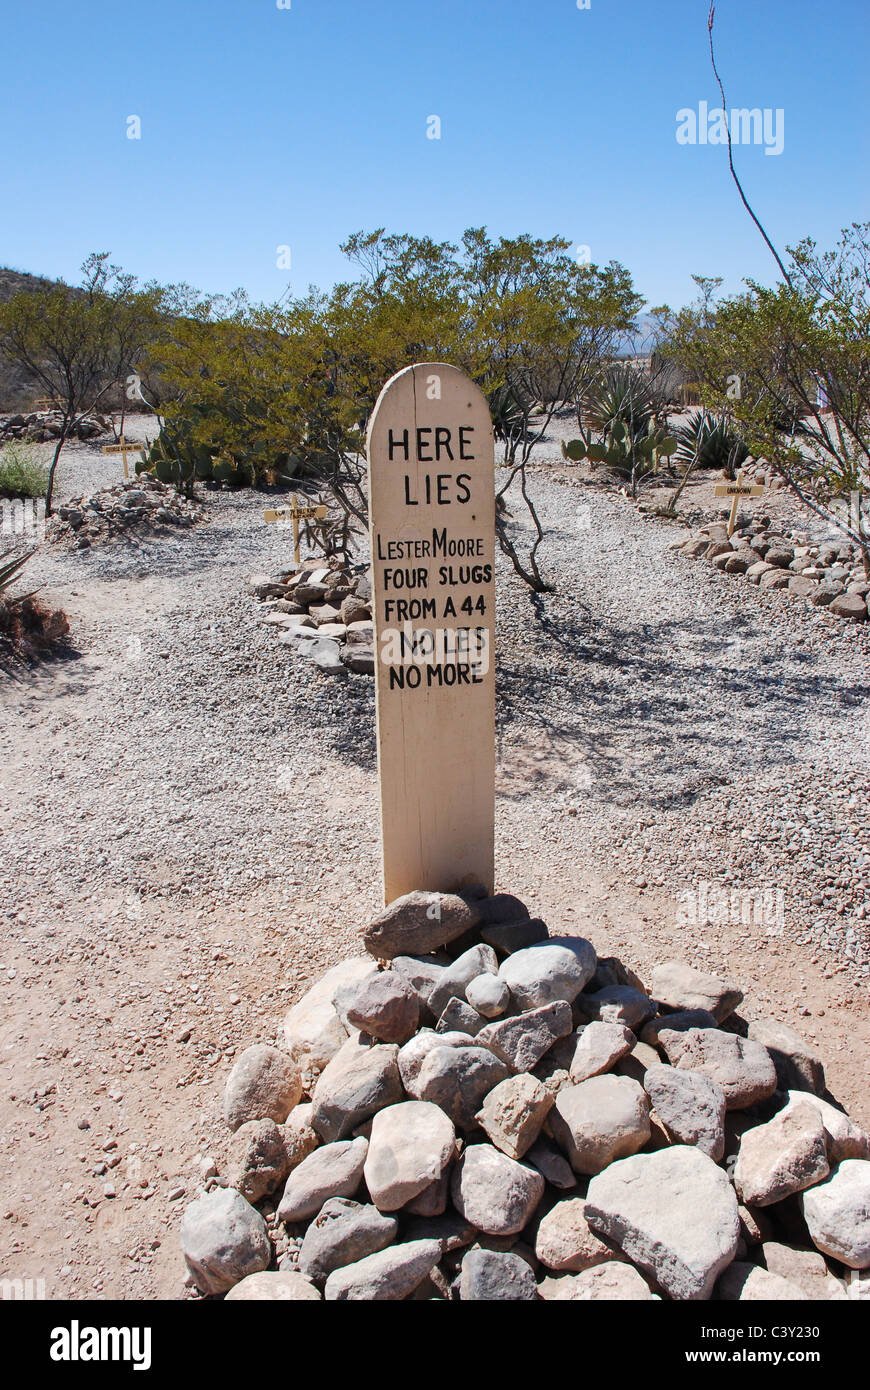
416	1050
359	1081
599	1120
566	1241
313	1031
806	1268
457	976
432	1201
496	1276
599	1047
422	973
741	1067
277	1286
798	1066
617	1004
257	1159
837	1213
488	994
410	1146
748	1283
342	1233
300	1137
513	1113
608	1283
521	1042
690	1106
851	606
558	968
335	1170
755	1226
458	1079
264	1084
385	1006
637	1062
393	1273
786	1155
494	1192
459	1017
417	923
843	1137
773	578
680	986
673	1213
223	1239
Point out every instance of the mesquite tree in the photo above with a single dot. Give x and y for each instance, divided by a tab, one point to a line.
791	365
77	341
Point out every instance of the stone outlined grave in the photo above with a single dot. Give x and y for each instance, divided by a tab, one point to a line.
432	510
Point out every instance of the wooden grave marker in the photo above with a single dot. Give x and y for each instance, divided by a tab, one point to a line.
432	516
295	512
737	490
124	447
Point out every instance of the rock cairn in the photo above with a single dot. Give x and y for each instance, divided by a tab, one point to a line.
321	612
141	505
476	1109
827	575
39	426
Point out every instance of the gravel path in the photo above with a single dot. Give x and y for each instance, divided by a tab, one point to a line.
189	824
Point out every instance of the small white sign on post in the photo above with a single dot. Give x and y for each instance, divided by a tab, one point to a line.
296	512
736	490
124	447
432	513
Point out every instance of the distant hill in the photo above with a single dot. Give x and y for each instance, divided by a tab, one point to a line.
13	281
18	390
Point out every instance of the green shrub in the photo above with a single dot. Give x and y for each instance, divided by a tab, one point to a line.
174	457
22	471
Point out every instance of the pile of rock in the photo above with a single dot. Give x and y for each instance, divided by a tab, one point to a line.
140	505
476	1109
42	425
829	576
321	612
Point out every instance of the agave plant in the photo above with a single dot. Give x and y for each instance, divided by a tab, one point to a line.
508	415
710	441
10	568
620	394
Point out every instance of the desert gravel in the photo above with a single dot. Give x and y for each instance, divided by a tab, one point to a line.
189	820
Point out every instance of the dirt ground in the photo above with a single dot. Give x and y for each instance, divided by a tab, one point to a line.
140	955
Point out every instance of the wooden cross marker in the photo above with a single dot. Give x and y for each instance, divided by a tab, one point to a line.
737	490
296	512
432	511
43	403
124	447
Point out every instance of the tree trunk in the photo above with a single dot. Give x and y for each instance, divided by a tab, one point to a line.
49	491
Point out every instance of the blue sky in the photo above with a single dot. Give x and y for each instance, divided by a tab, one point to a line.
264	127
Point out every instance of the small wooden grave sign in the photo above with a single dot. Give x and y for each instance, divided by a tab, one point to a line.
432	512
296	512
737	490
124	447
